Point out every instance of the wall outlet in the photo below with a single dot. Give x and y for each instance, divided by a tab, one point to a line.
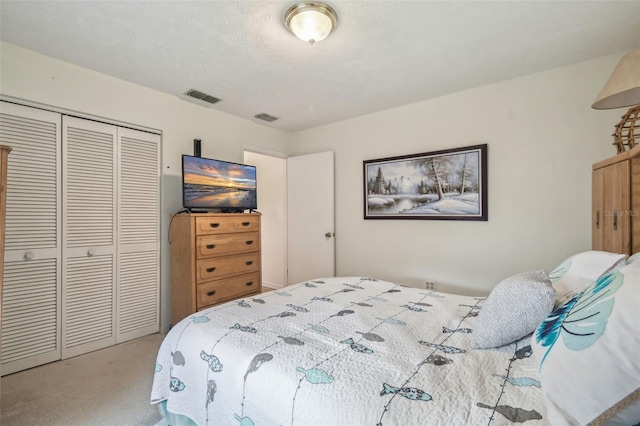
430	285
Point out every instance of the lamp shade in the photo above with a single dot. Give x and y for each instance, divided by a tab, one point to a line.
311	21
623	87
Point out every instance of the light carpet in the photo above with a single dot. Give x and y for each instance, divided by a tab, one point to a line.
108	387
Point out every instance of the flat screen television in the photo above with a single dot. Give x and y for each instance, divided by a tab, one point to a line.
209	185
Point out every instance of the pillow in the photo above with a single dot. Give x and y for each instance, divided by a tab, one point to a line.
515	307
634	257
578	271
587	352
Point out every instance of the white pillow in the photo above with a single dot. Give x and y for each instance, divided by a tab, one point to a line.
515	307
580	270
588	353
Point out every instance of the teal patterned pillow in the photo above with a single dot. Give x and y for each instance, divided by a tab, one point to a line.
588	350
578	271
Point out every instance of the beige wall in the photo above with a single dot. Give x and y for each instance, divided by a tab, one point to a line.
542	137
37	78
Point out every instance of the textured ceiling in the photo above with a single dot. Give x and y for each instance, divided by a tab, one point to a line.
383	54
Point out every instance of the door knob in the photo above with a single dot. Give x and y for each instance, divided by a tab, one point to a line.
328	235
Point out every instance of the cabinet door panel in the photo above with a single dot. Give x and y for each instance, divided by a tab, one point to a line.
616	208
597	210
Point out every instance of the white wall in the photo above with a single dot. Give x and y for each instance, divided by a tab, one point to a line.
272	203
34	77
543	138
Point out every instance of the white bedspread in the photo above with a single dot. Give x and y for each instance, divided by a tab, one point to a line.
344	351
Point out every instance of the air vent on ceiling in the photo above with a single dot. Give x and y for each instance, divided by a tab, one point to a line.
196	94
266	117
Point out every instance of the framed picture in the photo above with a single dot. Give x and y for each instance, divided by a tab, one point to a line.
443	185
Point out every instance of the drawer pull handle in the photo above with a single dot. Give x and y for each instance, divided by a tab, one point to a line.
249	262
211	293
211	246
211	269
249	242
615	220
214	225
245	223
249	284
598	219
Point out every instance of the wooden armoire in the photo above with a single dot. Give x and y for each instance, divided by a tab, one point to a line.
616	203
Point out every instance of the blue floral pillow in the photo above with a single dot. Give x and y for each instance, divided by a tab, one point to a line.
588	350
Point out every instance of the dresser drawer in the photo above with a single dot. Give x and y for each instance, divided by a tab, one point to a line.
226	244
227	224
226	289
220	267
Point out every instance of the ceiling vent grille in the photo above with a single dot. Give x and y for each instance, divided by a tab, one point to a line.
192	93
266	117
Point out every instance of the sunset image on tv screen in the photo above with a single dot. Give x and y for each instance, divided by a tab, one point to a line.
218	184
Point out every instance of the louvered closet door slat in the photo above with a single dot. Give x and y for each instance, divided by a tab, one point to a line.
32	176
89	183
30	321
88	312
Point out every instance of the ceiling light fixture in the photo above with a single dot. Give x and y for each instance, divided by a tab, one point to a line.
311	21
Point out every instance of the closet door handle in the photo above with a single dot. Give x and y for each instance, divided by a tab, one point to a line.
615	220
211	293
249	262
211	246
214	225
211	269
598	219
249	242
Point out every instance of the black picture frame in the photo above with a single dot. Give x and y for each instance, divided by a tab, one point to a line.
449	184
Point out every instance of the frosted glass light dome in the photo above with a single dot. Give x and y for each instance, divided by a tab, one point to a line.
311	21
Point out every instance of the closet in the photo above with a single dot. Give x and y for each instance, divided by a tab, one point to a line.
82	236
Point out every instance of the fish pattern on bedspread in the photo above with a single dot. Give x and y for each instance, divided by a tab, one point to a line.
344	351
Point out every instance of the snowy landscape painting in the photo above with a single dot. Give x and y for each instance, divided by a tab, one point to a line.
449	184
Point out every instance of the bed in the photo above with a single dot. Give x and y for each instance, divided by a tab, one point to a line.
362	351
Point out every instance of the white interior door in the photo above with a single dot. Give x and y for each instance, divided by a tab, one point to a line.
310	217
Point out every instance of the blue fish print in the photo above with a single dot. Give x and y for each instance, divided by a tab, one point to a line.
322	299
283	315
214	363
366	305
413	394
457	330
346	290
434	295
317	282
200	319
470	306
413	308
524	352
158	367
211	391
379	299
175	385
443	348
310	285
178	358
368	279
246	329
357	346
393	290
373	337
421	304
315	375
256	362
298	308
513	414
519	381
354	286
319	328
260	301
244	304
391	321
343	313
283	293
582	319
438	360
244	421
292	341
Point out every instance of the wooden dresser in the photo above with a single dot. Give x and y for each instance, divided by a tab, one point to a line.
215	257
616	203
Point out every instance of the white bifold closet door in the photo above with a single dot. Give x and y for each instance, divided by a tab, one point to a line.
82	268
31	295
